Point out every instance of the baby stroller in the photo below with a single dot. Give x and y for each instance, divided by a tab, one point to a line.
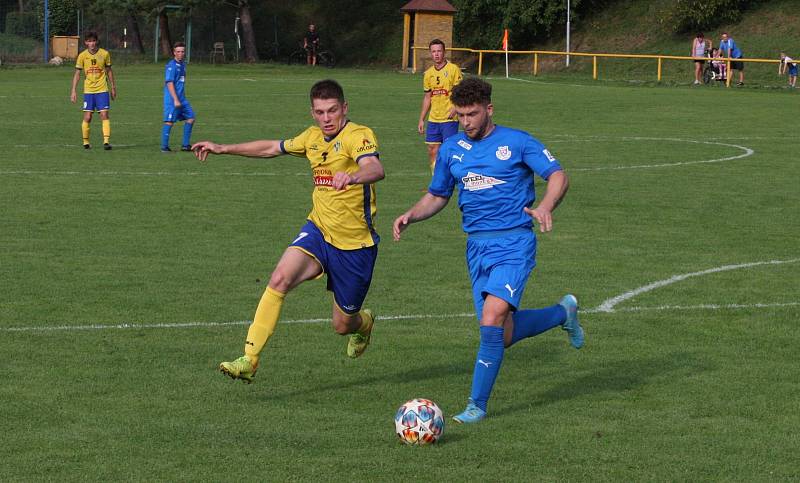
715	70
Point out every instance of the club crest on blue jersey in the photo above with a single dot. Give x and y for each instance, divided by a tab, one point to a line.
503	153
476	182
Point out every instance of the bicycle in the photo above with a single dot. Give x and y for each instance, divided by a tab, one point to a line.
325	58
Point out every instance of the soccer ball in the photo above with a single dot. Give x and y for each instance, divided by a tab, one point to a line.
419	421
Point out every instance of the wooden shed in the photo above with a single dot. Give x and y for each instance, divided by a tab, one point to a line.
423	21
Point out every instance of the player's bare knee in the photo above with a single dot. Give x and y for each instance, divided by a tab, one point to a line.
279	281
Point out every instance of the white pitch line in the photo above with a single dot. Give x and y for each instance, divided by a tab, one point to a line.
747	152
123	326
608	305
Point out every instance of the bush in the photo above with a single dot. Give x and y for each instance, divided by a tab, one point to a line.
695	15
23	24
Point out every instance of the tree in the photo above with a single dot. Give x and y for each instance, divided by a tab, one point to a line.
248	34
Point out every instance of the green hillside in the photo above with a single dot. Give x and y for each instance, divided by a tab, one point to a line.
641	27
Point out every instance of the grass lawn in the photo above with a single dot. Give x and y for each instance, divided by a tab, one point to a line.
128	275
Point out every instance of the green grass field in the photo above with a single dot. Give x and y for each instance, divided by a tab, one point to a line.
127	276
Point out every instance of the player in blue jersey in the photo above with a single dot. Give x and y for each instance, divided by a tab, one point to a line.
493	167
176	106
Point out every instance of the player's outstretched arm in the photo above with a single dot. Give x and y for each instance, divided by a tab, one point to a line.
254	149
370	171
557	185
425	208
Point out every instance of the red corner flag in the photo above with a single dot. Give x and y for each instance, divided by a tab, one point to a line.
505	39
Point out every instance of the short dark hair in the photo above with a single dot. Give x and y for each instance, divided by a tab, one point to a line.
471	90
91	35
178	44
327	89
436	42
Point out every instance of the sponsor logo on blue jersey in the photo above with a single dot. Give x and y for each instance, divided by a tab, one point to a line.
476	182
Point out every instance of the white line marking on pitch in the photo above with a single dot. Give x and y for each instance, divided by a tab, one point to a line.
608	305
747	152
182	325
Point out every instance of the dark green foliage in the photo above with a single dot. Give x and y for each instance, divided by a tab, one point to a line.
481	22
63	17
24	24
691	15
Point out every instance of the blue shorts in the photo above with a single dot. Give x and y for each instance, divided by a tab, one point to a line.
175	114
792	69
437	132
96	102
349	271
499	264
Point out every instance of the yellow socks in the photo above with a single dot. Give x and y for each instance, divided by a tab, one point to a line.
106	130
366	322
264	322
85	132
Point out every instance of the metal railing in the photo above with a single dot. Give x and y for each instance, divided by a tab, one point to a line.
536	53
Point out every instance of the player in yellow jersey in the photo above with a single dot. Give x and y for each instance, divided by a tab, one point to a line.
438	82
96	66
338	238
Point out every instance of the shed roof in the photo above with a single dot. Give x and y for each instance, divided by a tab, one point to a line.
428	6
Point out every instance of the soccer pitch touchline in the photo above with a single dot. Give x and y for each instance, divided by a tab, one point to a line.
609	304
182	325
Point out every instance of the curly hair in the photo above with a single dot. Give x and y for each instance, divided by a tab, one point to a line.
471	90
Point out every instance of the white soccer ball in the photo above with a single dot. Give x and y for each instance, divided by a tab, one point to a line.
419	422
56	60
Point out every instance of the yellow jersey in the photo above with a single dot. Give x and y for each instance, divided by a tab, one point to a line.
94	67
345	217
440	82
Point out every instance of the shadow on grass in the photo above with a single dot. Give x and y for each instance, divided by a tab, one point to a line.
619	376
437	371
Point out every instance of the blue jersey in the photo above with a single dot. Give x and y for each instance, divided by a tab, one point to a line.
494	177
724	45
175	73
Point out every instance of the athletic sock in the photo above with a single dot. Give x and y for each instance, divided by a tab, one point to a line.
366	322
264	322
165	129
85	132
106	130
528	323
187	133
487	365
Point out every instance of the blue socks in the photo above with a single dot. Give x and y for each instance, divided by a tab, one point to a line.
187	133
528	323
487	365
165	129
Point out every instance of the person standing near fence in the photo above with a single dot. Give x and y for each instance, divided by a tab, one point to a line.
700	48
792	69
96	66
438	82
176	106
729	49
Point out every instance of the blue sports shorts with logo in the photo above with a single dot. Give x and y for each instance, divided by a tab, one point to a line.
96	102
499	264
349	271
175	114
437	132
